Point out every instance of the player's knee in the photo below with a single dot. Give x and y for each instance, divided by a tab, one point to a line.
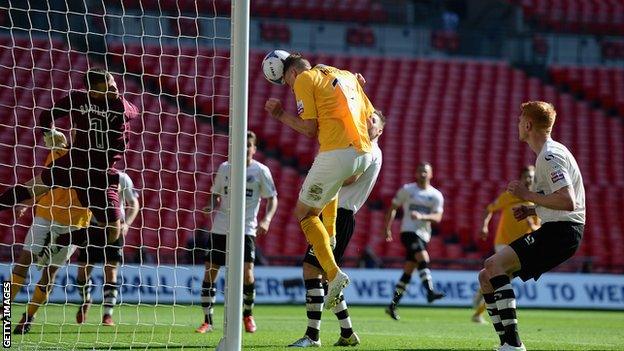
302	211
248	276
491	265
311	272
484	277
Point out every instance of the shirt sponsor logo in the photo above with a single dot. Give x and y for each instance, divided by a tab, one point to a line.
549	157
556	176
299	107
315	192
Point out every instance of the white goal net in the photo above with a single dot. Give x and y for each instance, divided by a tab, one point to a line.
170	58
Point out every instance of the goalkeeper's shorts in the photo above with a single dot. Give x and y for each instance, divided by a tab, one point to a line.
345	225
110	254
215	250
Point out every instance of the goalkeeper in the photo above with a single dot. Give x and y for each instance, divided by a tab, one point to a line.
332	106
110	256
57	212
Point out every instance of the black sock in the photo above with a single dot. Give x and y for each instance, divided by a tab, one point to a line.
314	307
506	305
13	196
425	276
249	295
400	288
492	310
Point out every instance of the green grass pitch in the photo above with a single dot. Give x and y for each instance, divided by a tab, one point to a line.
169	327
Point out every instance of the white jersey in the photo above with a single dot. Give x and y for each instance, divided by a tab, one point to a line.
127	194
556	168
259	185
353	196
426	201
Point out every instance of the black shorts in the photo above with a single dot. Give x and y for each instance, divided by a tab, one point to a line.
546	248
110	254
345	226
215	250
413	244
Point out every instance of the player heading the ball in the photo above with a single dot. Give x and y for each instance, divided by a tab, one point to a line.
332	106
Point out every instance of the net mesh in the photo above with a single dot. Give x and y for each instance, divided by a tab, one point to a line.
171	59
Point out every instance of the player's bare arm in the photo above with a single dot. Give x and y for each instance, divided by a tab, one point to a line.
485	231
132	210
390	215
432	217
271	208
307	127
522	212
562	199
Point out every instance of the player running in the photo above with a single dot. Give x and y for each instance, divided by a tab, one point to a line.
259	186
508	229
559	199
99	118
56	212
422	204
332	106
350	199
110	256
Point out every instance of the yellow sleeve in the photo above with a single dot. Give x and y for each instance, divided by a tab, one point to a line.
499	204
304	93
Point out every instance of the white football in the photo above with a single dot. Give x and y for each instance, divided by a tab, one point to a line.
273	66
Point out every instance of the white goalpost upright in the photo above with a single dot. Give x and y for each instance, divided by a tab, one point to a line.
169	58
239	61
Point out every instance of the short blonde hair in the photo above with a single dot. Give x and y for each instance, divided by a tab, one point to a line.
541	113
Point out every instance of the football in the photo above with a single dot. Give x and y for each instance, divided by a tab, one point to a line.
273	66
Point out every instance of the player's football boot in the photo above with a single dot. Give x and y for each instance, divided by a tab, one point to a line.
107	320
334	289
305	342
353	340
23	327
434	295
507	347
391	311
250	324
81	315
204	328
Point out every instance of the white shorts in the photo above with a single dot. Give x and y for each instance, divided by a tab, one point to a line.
39	236
329	170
